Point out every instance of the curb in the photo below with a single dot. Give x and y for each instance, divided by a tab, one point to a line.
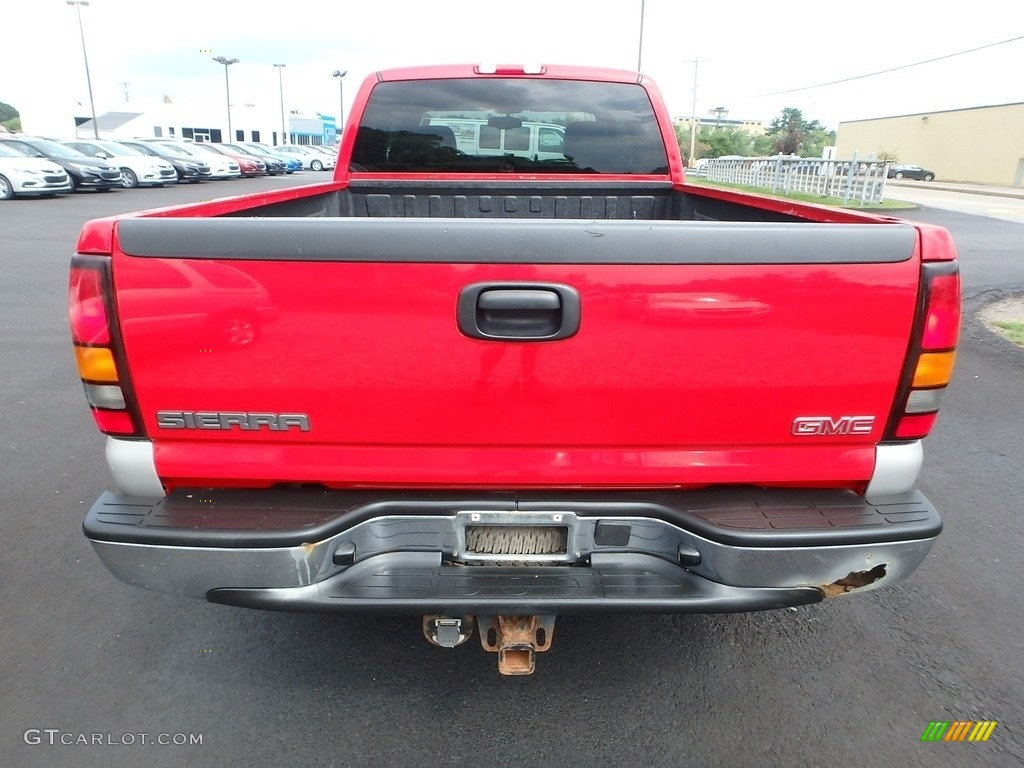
1014	192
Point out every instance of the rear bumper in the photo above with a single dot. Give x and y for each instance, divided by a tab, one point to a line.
657	552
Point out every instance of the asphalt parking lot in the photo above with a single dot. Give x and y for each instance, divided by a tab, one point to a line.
850	682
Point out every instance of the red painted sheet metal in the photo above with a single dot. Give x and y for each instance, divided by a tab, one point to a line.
182	463
677	373
97	236
936	243
805	211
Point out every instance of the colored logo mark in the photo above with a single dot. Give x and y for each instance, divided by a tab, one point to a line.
959	730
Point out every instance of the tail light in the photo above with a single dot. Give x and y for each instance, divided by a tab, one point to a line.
97	347
932	353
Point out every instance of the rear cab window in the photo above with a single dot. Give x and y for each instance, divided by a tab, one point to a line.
516	125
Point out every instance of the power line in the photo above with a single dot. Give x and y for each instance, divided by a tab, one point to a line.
894	69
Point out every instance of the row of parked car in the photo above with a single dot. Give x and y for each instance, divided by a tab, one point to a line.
34	166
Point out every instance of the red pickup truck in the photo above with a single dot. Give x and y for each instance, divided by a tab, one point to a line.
508	364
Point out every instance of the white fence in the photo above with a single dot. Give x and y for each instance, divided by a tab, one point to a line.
855	181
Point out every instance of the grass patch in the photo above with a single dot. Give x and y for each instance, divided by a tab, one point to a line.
1013	330
802	197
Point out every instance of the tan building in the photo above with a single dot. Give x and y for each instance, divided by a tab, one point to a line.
984	145
754	127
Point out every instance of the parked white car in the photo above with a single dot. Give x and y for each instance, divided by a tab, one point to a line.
221	166
310	158
21	175
137	169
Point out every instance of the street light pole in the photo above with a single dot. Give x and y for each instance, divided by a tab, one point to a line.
640	47
280	85
227	88
88	80
340	74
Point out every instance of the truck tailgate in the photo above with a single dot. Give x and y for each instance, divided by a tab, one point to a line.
330	350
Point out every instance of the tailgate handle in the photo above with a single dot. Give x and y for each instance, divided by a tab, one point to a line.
519	311
503	300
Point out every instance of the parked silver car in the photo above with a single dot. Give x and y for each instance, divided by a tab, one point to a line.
311	158
137	168
21	175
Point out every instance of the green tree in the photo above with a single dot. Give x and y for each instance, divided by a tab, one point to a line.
726	141
816	141
791	134
764	145
683	140
9	117
713	141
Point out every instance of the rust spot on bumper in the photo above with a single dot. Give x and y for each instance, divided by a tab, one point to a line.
853	581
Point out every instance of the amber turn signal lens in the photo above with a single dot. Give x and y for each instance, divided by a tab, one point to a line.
934	369
96	364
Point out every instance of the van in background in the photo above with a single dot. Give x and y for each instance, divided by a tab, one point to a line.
482	136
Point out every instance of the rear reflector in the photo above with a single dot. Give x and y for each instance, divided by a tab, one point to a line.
915	427
114	422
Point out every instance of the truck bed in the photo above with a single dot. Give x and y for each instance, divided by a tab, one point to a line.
453	198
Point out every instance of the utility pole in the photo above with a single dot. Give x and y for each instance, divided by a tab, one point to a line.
719	111
280	86
125	89
693	115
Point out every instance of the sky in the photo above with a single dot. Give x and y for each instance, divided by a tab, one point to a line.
141	51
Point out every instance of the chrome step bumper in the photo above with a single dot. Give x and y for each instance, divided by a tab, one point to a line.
657	552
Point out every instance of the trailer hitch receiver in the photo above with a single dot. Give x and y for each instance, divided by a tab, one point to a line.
517	640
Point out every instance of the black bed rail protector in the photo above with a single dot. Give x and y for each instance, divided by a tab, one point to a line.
286	517
501	241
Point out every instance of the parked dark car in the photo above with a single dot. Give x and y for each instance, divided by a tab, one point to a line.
273	165
910	172
249	165
187	168
85	172
292	164
137	168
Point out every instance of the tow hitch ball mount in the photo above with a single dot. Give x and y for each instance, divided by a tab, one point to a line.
516	639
